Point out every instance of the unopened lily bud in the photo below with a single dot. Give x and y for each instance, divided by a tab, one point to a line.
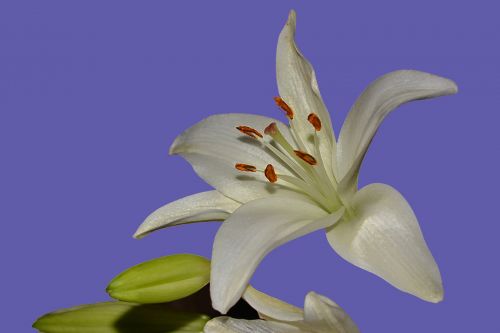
161	280
116	317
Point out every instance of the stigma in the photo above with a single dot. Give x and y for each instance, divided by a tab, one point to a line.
271	129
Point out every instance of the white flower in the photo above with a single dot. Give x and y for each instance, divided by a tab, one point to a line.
320	315
279	182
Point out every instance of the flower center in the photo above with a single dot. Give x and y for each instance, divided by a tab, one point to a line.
309	175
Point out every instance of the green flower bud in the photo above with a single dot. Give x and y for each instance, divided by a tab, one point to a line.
121	317
161	280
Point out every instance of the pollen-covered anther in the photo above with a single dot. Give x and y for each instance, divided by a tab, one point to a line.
305	157
245	167
270	174
249	131
315	121
271	129
285	107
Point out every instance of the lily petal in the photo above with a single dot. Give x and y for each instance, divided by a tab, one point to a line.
384	238
298	87
250	233
375	103
271	307
204	206
321	311
214	146
231	325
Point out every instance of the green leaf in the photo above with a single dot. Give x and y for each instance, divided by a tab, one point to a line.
121	317
161	280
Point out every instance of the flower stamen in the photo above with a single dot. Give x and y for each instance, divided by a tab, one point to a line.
271	129
315	121
270	173
306	179
305	157
249	131
300	166
245	167
285	107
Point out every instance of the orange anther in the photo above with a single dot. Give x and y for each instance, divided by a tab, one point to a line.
270	174
245	167
249	131
315	121
271	129
305	157
285	107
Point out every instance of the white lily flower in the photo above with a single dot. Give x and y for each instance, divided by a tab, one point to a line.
274	183
320	315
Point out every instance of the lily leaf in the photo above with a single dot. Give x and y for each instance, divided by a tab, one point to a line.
120	317
161	280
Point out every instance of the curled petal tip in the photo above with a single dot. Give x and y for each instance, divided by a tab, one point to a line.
138	234
173	148
219	303
311	294
436	297
142	231
453	88
220	300
432	293
440	85
289	28
448	87
218	306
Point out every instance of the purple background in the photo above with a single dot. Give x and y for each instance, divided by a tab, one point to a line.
92	95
